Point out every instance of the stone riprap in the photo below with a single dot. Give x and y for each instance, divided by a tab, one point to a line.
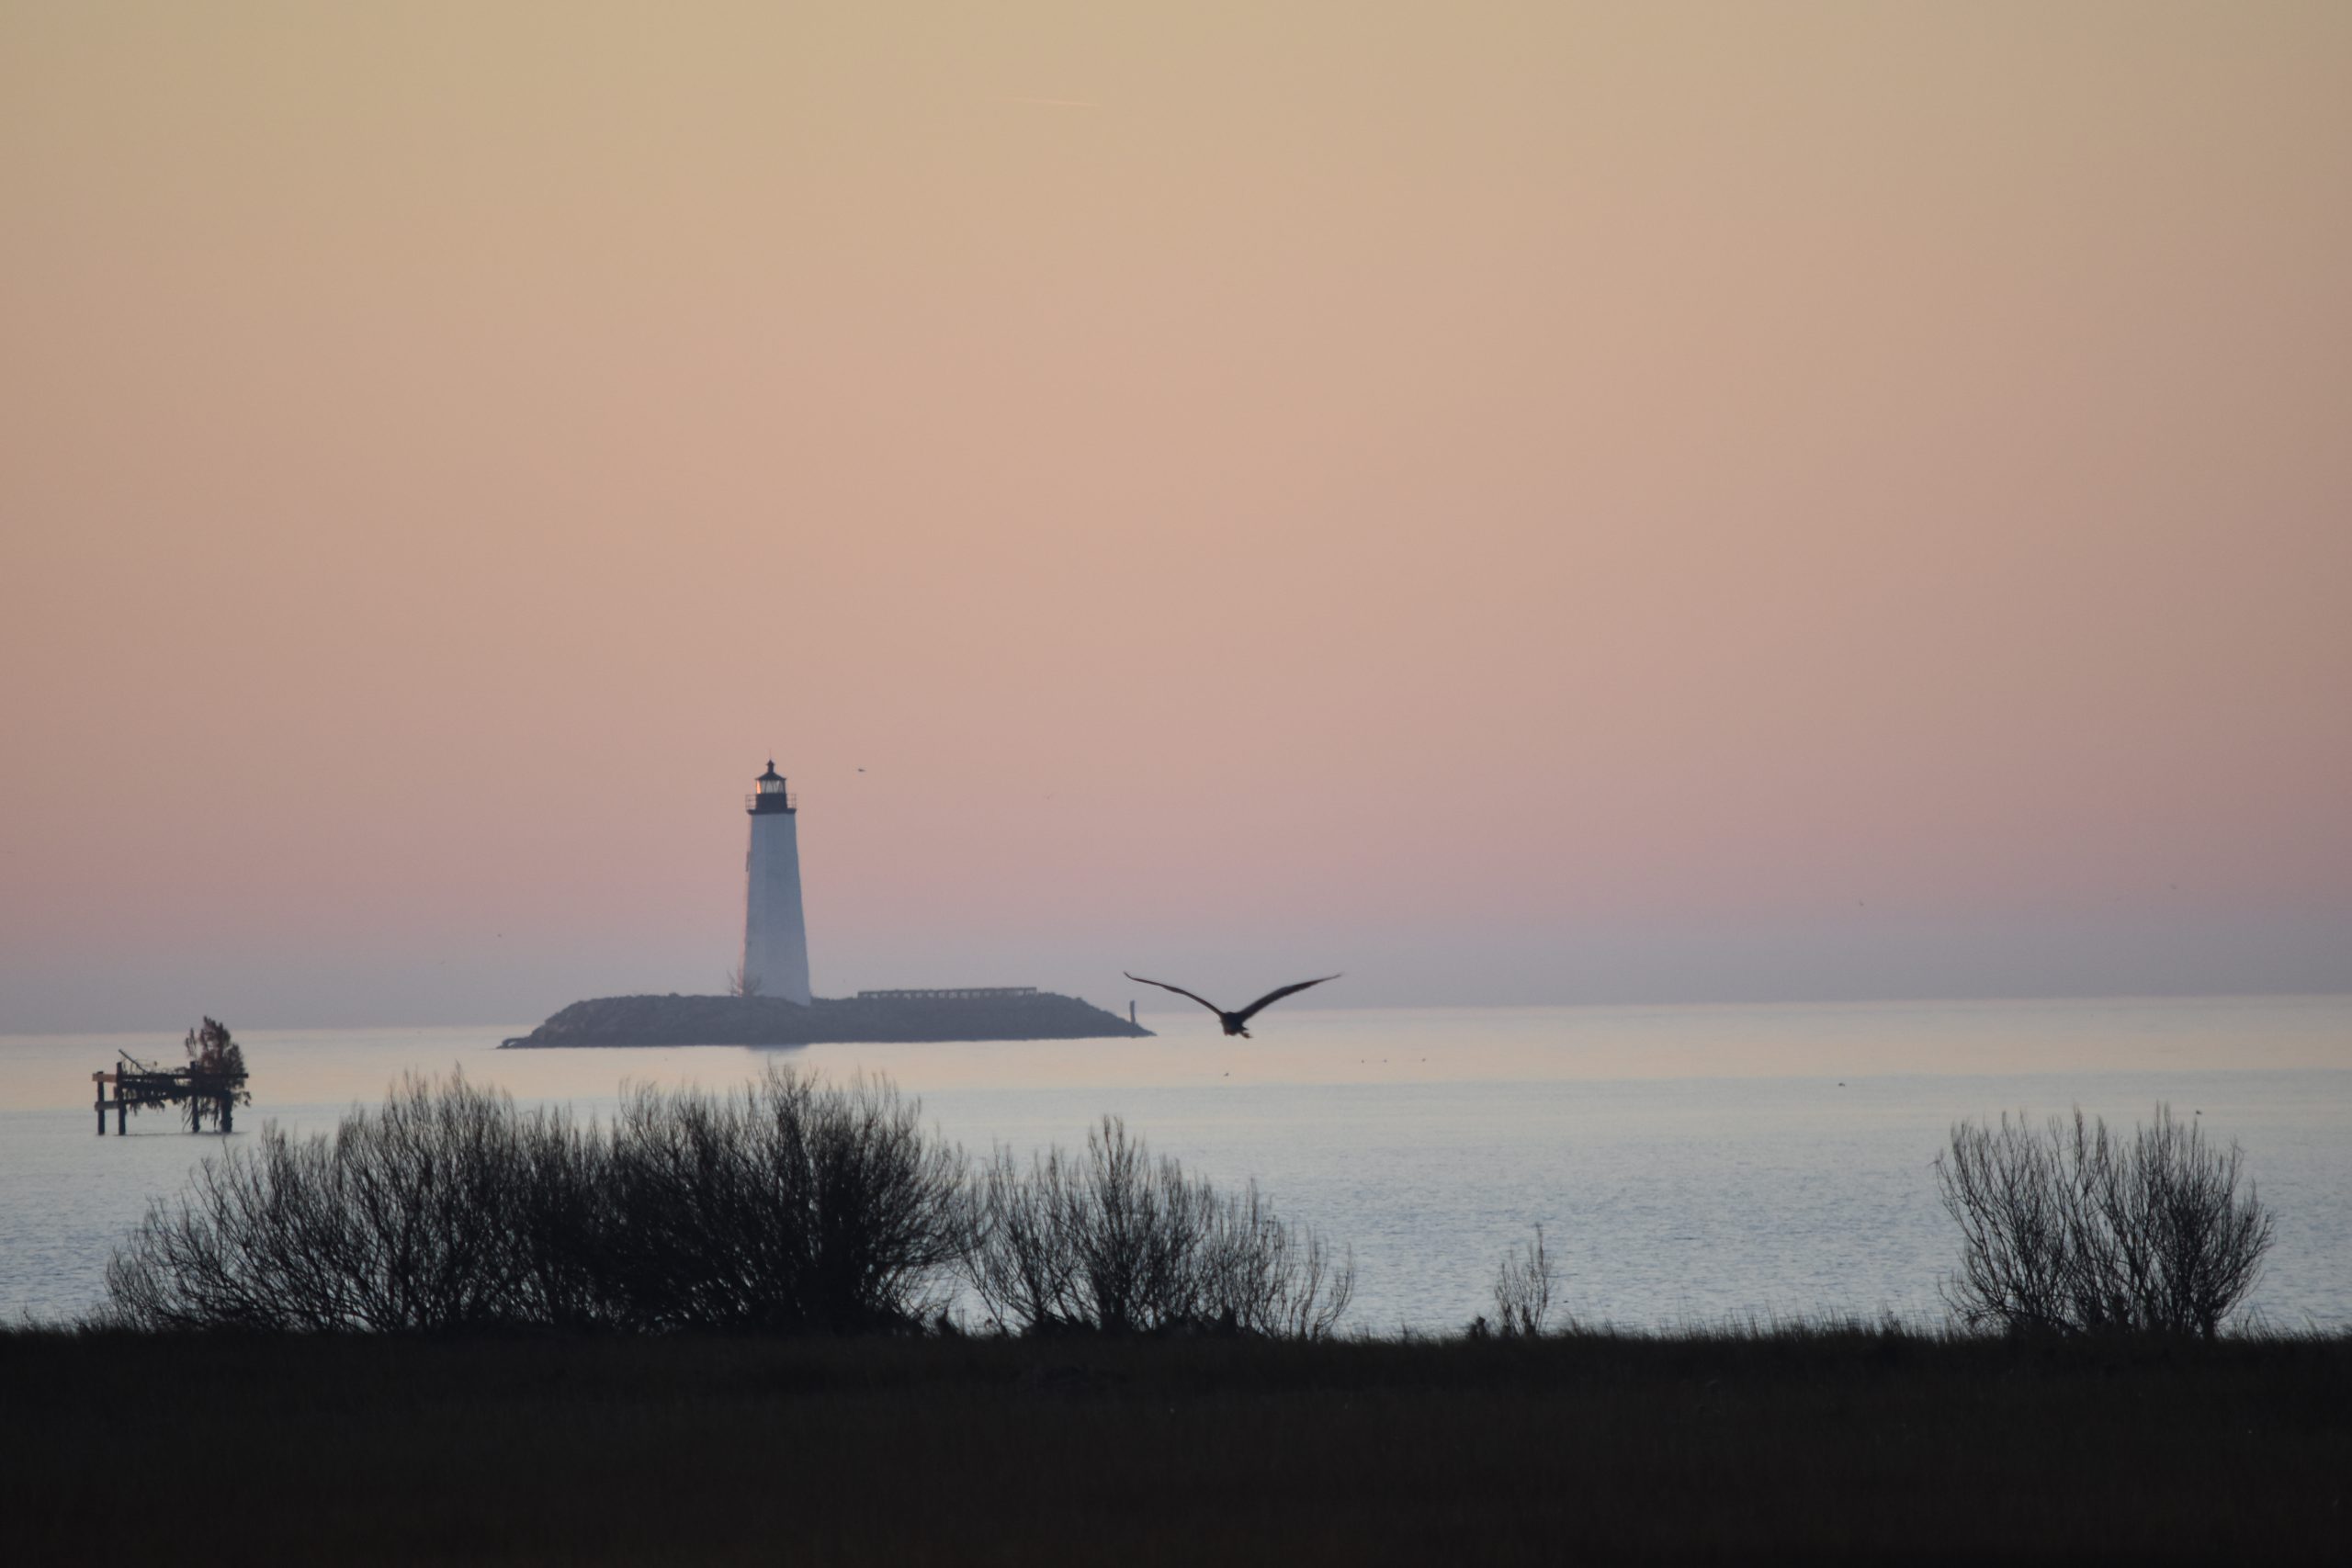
772	1020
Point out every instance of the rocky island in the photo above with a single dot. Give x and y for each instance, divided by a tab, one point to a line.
995	1012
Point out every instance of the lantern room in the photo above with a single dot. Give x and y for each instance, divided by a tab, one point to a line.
770	796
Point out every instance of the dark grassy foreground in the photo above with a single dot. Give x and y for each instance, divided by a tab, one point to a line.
386	1449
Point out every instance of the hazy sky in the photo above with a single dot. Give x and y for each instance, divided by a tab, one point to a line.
1533	502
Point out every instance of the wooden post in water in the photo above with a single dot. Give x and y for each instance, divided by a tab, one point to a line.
99	1081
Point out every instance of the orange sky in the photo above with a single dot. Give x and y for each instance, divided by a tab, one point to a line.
1528	503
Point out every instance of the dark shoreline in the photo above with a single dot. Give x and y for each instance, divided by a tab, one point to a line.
1853	1442
890	1018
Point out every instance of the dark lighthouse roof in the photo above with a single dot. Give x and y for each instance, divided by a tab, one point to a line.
770	796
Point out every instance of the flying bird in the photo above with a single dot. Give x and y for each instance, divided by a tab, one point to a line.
1235	1022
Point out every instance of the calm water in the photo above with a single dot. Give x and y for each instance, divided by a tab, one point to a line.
1686	1163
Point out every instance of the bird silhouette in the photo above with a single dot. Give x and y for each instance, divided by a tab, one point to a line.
1236	1022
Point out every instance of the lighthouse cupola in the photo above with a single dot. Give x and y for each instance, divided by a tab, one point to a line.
771	795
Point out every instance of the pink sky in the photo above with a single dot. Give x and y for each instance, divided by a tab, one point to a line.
1520	502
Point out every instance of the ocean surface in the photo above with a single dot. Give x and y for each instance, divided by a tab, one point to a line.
1687	1164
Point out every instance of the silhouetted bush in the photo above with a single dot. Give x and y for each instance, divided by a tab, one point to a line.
1116	1243
1523	1285
2071	1231
400	1221
787	1205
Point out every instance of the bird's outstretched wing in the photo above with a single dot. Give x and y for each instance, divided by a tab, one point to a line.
1246	1014
1195	996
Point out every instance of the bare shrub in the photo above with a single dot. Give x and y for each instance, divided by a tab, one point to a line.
787	1205
1524	1286
1115	1242
403	1220
2071	1230
1262	1275
561	1212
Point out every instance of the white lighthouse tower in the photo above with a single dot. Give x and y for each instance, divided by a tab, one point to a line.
775	937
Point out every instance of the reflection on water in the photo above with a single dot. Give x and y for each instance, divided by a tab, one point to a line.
1685	1162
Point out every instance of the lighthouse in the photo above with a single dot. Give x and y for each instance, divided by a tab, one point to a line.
775	937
